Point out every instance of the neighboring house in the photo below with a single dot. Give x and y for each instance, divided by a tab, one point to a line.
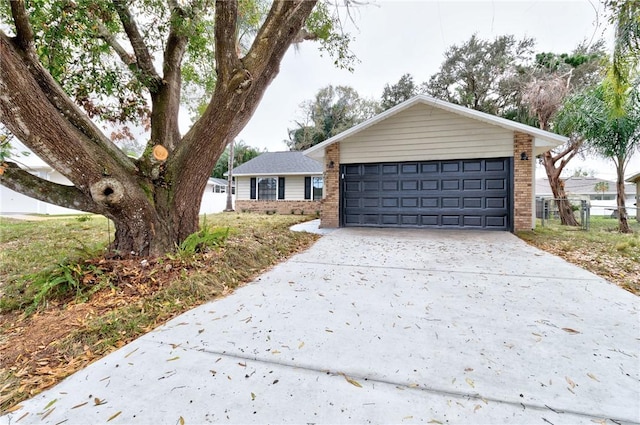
584	188
428	163
12	202
279	182
214	198
636	179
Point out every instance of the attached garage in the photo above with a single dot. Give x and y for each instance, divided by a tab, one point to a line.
452	194
427	163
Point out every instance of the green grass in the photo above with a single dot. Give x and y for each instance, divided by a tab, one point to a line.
94	305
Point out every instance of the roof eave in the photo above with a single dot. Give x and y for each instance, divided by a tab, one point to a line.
634	179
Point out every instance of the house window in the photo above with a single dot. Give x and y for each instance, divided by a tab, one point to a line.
317	188
267	188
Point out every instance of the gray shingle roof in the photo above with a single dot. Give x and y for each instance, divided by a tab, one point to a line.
279	163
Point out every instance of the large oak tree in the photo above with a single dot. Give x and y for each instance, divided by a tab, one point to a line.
69	67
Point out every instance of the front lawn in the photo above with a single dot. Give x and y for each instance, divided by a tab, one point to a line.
63	305
601	250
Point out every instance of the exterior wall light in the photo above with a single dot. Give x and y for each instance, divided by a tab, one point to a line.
524	156
331	164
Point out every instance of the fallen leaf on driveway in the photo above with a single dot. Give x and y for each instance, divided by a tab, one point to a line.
570	382
592	376
115	415
475	409
571	331
470	382
352	381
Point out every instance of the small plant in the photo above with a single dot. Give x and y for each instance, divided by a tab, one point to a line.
317	213
202	240
83	218
61	281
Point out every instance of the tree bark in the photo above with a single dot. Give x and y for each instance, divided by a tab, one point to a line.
623	223
565	211
154	204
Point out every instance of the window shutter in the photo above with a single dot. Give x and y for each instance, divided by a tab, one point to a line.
280	187
252	190
307	188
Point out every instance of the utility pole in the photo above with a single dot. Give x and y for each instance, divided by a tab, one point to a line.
230	179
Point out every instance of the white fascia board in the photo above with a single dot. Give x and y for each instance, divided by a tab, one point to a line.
318	173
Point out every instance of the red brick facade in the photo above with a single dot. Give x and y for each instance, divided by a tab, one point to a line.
279	207
522	181
331	201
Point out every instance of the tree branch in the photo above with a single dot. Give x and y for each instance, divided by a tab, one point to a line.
105	34
143	57
24	32
27	110
58	98
43	190
225	34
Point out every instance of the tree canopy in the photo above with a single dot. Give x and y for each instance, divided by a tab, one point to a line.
483	75
70	67
241	154
334	109
397	93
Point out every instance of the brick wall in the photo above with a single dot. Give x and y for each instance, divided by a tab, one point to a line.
331	201
281	206
523	182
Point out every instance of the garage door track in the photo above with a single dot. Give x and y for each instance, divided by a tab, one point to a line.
380	326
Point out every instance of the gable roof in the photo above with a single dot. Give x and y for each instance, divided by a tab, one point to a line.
634	179
278	164
544	140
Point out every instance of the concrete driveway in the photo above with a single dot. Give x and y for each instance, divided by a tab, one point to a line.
380	326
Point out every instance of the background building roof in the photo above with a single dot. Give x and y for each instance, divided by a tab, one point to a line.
279	163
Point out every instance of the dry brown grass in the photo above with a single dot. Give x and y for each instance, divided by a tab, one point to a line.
112	302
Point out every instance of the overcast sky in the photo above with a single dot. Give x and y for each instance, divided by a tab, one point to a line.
397	37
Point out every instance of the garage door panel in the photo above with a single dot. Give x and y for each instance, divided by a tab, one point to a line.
429	184
464	193
496	184
472	221
499	222
409	168
472	184
496	203
450	167
470	166
432	167
450	184
451	220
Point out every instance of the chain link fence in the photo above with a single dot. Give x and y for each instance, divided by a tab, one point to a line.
548	211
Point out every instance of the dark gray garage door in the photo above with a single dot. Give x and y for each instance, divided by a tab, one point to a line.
450	194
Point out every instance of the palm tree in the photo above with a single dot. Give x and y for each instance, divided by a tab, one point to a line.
601	187
626	51
611	132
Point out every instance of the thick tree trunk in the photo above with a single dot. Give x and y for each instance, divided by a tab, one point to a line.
623	223
153	202
557	188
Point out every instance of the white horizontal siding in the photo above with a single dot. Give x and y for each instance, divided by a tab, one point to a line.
242	188
426	133
293	187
